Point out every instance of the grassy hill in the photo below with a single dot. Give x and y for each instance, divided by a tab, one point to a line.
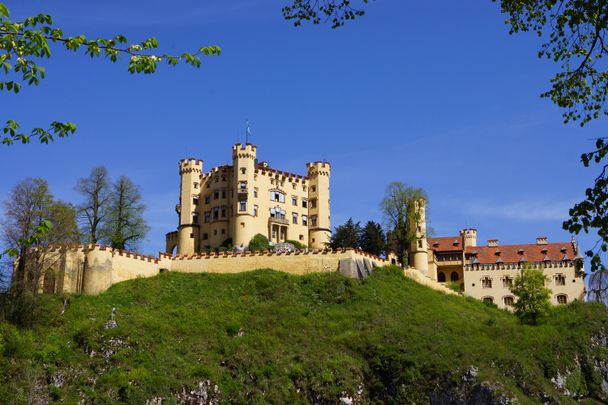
267	337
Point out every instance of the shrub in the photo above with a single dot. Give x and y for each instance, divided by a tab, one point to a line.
297	245
259	242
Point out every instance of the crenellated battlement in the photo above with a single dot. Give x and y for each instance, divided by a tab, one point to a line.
190	165
247	151
318	168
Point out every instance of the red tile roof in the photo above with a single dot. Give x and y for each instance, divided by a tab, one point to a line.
531	252
445	244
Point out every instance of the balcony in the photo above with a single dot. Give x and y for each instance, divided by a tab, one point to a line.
277	220
242	193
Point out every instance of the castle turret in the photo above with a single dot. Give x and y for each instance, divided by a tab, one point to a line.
419	257
190	171
243	163
319	233
469	237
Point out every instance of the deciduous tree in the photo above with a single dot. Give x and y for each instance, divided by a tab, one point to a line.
92	212
124	226
532	295
401	216
336	12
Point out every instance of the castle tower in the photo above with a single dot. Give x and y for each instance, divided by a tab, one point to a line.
469	237
190	171
243	166
419	257
319	233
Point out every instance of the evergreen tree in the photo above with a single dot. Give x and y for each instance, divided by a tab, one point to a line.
532	295
372	239
346	236
124	226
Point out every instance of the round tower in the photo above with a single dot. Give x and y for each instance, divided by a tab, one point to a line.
469	237
243	166
319	230
190	172
419	249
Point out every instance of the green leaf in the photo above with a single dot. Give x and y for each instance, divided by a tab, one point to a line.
3	10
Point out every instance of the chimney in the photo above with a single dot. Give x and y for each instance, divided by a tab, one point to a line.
541	240
492	242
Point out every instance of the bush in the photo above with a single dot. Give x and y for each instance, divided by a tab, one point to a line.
259	242
297	245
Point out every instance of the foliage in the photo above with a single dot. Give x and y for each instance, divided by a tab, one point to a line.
346	236
532	295
597	286
93	210
297	244
24	43
125	226
575	32
399	207
337	12
28	212
259	242
268	337
372	239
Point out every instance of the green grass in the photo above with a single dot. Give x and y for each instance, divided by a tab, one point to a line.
268	337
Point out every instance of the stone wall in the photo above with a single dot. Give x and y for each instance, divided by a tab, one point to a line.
94	269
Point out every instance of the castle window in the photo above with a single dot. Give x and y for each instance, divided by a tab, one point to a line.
419	244
207	199
313	220
486	282
277	196
223	193
507	282
562	299
242	206
294	200
255	210
313	189
293	185
441	277
207	216
194	218
304	203
215	231
508	300
208	185
243	185
303	187
488	300
216	213
195	200
255	192
216	195
454	276
223	232
305	220
313	203
243	170
195	185
560	279
223	178
223	212
205	236
301	237
294	218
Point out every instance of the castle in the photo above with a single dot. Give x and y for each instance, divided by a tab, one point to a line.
230	204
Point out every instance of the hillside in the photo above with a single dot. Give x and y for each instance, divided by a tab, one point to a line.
267	337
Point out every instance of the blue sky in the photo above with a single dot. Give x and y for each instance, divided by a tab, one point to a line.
436	95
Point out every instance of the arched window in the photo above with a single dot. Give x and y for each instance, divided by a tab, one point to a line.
454	276
489	300
508	300
562	299
441	277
